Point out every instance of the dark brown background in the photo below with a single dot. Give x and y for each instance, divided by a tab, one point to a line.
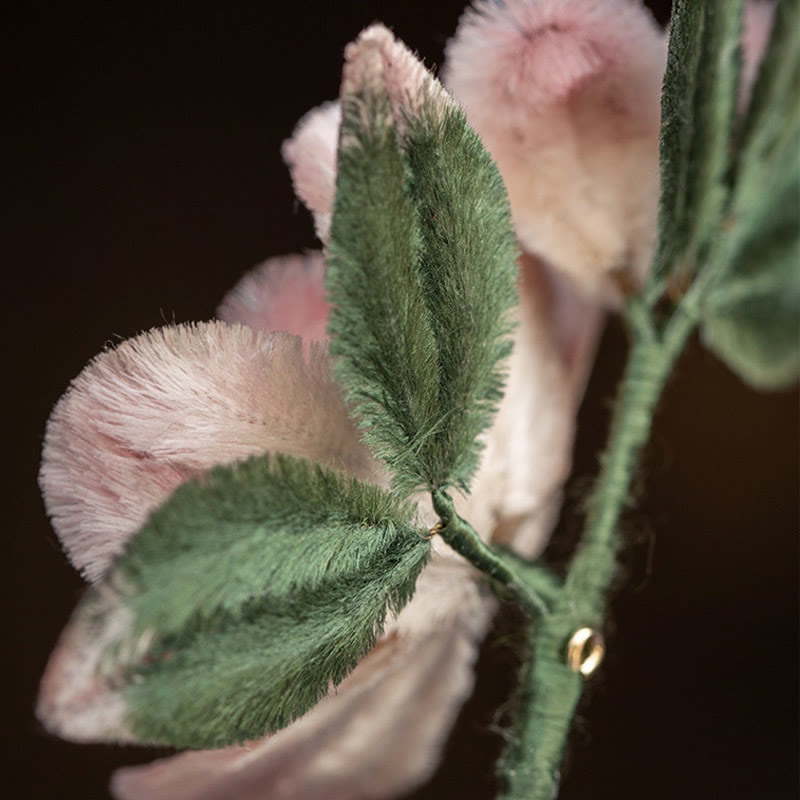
143	176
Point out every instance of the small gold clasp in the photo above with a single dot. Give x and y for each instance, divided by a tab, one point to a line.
585	651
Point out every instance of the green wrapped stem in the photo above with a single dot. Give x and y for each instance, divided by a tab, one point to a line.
550	689
533	594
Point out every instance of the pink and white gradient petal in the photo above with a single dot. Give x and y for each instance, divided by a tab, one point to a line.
282	294
516	494
144	417
376	59
565	95
310	154
78	699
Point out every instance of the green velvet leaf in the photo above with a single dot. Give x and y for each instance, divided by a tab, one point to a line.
751	315
698	112
254	589
468	269
752	318
381	327
769	136
774	101
421	275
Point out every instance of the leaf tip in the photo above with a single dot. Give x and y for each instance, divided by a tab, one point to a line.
377	63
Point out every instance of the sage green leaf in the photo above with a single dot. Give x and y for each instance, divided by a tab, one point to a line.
774	101
698	112
752	317
468	269
421	269
253	590
751	314
381	327
769	140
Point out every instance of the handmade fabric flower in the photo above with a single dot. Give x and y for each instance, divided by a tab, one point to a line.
165	407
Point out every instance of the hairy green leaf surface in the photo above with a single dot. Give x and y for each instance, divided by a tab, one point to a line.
381	327
774	102
769	138
421	276
468	269
751	316
254	589
698	112
752	319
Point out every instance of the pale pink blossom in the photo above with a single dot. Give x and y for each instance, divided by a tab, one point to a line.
375	59
433	641
311	156
381	732
565	95
162	407
175	401
282	294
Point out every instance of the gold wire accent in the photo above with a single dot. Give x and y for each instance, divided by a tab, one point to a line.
434	530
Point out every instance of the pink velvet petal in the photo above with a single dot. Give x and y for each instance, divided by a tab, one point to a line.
576	324
375	59
379	734
311	157
516	494
565	94
167	404
537	53
77	696
282	294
